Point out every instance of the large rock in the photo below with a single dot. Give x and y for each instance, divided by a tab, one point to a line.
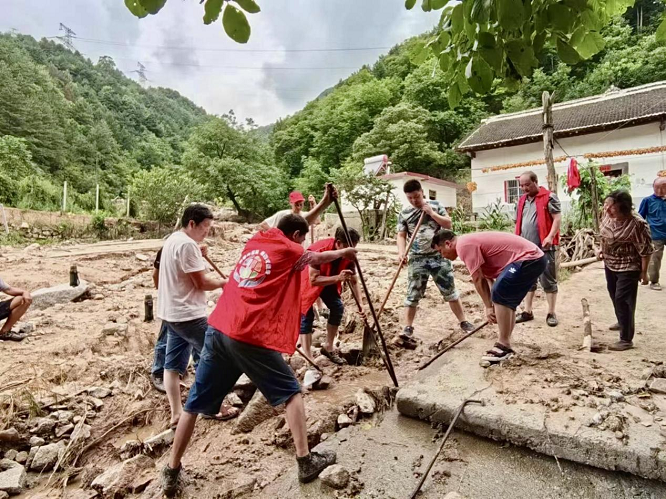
12	477
366	403
63	293
114	329
43	426
160	441
98	392
131	476
46	457
256	412
658	385
335	477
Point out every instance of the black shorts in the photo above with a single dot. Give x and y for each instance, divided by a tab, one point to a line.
5	308
516	280
222	362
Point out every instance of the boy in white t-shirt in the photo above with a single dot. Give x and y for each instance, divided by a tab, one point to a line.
181	298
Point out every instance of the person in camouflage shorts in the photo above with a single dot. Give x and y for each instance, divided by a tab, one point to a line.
424	261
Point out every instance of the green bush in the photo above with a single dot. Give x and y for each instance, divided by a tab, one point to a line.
7	190
494	218
36	193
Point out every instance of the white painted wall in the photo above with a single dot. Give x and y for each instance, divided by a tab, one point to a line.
444	194
642	169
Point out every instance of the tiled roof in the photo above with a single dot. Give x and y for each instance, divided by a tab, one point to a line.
610	110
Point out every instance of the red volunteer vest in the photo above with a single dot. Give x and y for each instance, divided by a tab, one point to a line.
310	293
544	218
260	303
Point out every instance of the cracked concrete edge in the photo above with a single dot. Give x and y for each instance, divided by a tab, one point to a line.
640	455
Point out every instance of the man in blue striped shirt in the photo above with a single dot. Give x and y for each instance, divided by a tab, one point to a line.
653	210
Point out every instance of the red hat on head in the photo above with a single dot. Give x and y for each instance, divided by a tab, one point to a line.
295	197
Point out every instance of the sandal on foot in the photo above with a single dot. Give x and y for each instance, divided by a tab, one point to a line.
551	320
497	353
226	413
524	317
467	326
332	356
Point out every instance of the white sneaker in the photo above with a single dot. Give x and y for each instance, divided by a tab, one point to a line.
656	286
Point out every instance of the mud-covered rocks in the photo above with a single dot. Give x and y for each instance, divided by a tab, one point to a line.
335	477
12	477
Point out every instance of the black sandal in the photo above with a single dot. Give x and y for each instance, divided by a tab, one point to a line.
498	353
524	317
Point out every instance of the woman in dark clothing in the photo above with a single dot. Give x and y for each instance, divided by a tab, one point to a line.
626	247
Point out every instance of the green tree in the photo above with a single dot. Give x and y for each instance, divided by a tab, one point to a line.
312	179
15	158
161	193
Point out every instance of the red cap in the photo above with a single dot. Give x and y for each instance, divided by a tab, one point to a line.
295	197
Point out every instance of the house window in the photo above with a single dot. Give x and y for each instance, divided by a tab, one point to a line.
615	170
511	191
432	194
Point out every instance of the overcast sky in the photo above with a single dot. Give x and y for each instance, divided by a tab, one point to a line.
180	52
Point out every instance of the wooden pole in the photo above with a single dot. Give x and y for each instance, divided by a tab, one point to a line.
128	201
386	357
302	354
64	196
576	263
547	101
449	347
595	196
215	267
97	198
587	325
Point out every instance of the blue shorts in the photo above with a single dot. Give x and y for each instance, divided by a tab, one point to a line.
224	359
329	295
516	280
183	338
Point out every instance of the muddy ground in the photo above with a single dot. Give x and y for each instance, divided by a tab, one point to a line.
102	341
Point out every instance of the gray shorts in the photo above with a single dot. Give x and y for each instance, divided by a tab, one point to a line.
548	279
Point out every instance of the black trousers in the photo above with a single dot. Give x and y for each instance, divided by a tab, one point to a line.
623	290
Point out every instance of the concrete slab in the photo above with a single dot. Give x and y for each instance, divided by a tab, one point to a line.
62	293
436	392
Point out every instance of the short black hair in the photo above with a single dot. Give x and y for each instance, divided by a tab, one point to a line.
412	186
441	236
353	235
196	213
292	223
622	199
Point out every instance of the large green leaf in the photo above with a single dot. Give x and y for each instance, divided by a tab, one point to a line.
439	43
591	44
567	53
479	11
539	41
409	4
490	52
457	19
438	4
419	54
590	20
249	6
560	17
455	96
444	61
522	57
660	35
479	75
136	8
153	6
235	24
510	14
425	5
212	10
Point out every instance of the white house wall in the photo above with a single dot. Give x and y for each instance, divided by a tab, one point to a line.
642	169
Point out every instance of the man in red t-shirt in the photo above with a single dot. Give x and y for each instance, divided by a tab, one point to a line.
514	264
325	282
254	322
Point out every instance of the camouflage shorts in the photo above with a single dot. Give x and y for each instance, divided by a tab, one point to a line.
420	269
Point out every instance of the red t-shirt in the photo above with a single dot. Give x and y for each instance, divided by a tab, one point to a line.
309	292
260	304
492	251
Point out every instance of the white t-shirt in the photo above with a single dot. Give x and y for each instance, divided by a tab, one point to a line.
274	220
178	299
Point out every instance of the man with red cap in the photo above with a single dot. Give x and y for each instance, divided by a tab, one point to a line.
297	201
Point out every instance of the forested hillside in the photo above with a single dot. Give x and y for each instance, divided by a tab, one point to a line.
63	117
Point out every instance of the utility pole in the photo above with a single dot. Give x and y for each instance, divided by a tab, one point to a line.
64	197
142	73
97	198
547	101
67	39
128	201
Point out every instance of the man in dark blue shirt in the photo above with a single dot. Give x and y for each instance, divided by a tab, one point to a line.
653	210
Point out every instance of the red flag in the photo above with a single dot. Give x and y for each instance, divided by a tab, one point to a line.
573	175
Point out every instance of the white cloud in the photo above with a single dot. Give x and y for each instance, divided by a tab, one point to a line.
219	81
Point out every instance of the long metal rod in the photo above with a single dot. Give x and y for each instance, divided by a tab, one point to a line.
402	264
446	349
386	358
441	446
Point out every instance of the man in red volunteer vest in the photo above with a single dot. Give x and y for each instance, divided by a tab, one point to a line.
538	219
325	282
255	321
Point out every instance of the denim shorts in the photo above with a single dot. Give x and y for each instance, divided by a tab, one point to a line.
183	338
516	280
420	268
224	359
329	295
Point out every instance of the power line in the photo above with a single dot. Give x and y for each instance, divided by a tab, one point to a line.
209	49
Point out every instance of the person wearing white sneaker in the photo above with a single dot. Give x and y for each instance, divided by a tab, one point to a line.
653	211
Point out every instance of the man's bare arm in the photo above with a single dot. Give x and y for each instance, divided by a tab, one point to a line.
312	216
205	282
317	258
156	277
